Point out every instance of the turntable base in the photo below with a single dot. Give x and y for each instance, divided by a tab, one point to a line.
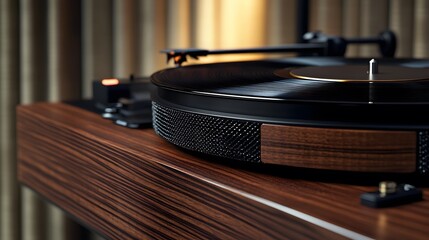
316	113
132	184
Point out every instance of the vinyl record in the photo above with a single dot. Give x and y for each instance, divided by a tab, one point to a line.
257	90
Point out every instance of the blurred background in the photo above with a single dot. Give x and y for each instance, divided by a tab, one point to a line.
51	50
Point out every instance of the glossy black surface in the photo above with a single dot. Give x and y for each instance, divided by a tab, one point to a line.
255	79
250	91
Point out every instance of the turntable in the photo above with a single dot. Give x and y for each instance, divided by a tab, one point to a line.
318	112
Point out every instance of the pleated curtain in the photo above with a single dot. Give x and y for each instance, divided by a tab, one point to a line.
51	50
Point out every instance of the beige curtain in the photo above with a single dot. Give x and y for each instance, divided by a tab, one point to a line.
51	50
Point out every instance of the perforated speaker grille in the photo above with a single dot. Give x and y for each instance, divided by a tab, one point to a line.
423	152
223	137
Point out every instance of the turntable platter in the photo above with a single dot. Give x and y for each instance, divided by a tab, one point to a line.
253	91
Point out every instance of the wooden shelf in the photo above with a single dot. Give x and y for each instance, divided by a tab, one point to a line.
127	184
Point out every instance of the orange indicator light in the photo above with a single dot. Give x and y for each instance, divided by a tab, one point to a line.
110	81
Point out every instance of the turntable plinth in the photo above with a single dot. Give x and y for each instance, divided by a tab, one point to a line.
339	149
132	184
332	114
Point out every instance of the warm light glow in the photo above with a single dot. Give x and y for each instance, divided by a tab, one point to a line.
242	24
110	81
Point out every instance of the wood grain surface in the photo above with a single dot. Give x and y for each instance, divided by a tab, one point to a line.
131	184
339	149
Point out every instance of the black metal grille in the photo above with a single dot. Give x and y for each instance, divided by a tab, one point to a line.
223	137
423	152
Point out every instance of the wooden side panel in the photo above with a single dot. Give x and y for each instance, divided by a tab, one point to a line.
339	149
131	184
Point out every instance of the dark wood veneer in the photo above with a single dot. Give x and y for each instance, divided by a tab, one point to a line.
339	149
131	184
